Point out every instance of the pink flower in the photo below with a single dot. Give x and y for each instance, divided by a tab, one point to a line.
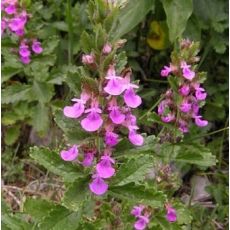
131	99
111	138
88	159
36	47
70	154
187	73
185	107
137	210
171	215
104	167
199	122
135	139
20	32
107	48
24	50
93	121
88	59
141	223
166	71
168	118
16	24
115	115
25	60
200	94
98	185
162	106
10	9
115	86
184	90
3	25
183	126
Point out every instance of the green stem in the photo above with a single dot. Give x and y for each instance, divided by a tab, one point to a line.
70	32
157	81
153	107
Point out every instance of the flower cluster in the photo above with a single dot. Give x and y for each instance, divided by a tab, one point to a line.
14	19
105	113
142	220
181	106
171	215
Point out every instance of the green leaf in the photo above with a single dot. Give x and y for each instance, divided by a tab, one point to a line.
76	193
86	42
12	134
40	118
38	208
177	15
131	15
53	162
133	171
16	92
8	72
121	61
43	92
139	194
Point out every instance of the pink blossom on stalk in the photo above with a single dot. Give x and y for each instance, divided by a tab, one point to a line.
98	185
168	118
3	25
24	50
20	32
77	109
184	90
162	106
200	94
10	9
187	73
115	85
16	24
166	71
36	47
141	223
199	122
183	126
185	106
137	210
107	48
115	112
111	138
70	154
25	60
88	159
171	215
88	59
93	120
104	167
135	138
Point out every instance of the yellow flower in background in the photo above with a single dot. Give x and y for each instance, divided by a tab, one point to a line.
157	37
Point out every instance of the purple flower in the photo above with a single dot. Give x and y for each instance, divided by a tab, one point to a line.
3	25
200	94
199	122
141	223
183	126
98	185
168	118
187	73
162	106
111	138
185	107
20	32
88	59
24	50
70	154
171	215
115	115
88	159
115	86
107	48
166	71
36	47
10	9
104	167
25	60
131	99
135	138
184	90
137	210
16	24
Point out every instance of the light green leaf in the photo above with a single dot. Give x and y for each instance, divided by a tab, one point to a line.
53	162
177	15
43	92
131	15
12	134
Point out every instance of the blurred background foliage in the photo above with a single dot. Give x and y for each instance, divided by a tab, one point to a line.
31	94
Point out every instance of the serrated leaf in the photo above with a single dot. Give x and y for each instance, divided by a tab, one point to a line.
76	193
177	15
131	15
86	42
138	194
121	61
8	72
12	134
133	170
53	162
43	92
